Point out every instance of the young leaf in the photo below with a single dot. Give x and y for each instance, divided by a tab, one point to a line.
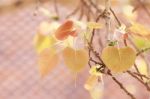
118	59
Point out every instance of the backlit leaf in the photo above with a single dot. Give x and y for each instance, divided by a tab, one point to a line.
97	91
91	82
142	66
74	59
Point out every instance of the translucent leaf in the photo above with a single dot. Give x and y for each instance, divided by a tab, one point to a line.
47	61
142	66
94	25
42	42
94	87
118	59
97	91
75	60
91	82
139	29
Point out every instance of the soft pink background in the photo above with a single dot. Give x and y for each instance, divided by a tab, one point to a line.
19	78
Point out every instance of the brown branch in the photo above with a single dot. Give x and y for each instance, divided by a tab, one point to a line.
141	75
87	6
73	12
142	51
137	70
118	21
56	7
95	6
141	81
144	7
122	87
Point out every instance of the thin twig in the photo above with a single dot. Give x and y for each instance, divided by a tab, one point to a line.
141	81
136	68
73	12
118	21
122	87
144	7
56	7
142	51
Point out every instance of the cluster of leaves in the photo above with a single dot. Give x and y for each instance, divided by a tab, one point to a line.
54	40
58	39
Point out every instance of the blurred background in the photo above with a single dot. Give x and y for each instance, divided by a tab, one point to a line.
19	78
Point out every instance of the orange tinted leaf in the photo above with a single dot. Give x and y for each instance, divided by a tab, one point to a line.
65	30
62	35
73	33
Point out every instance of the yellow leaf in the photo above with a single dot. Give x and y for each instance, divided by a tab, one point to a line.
91	82
94	87
42	42
142	66
94	25
93	71
75	60
118	59
47	61
97	91
139	29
